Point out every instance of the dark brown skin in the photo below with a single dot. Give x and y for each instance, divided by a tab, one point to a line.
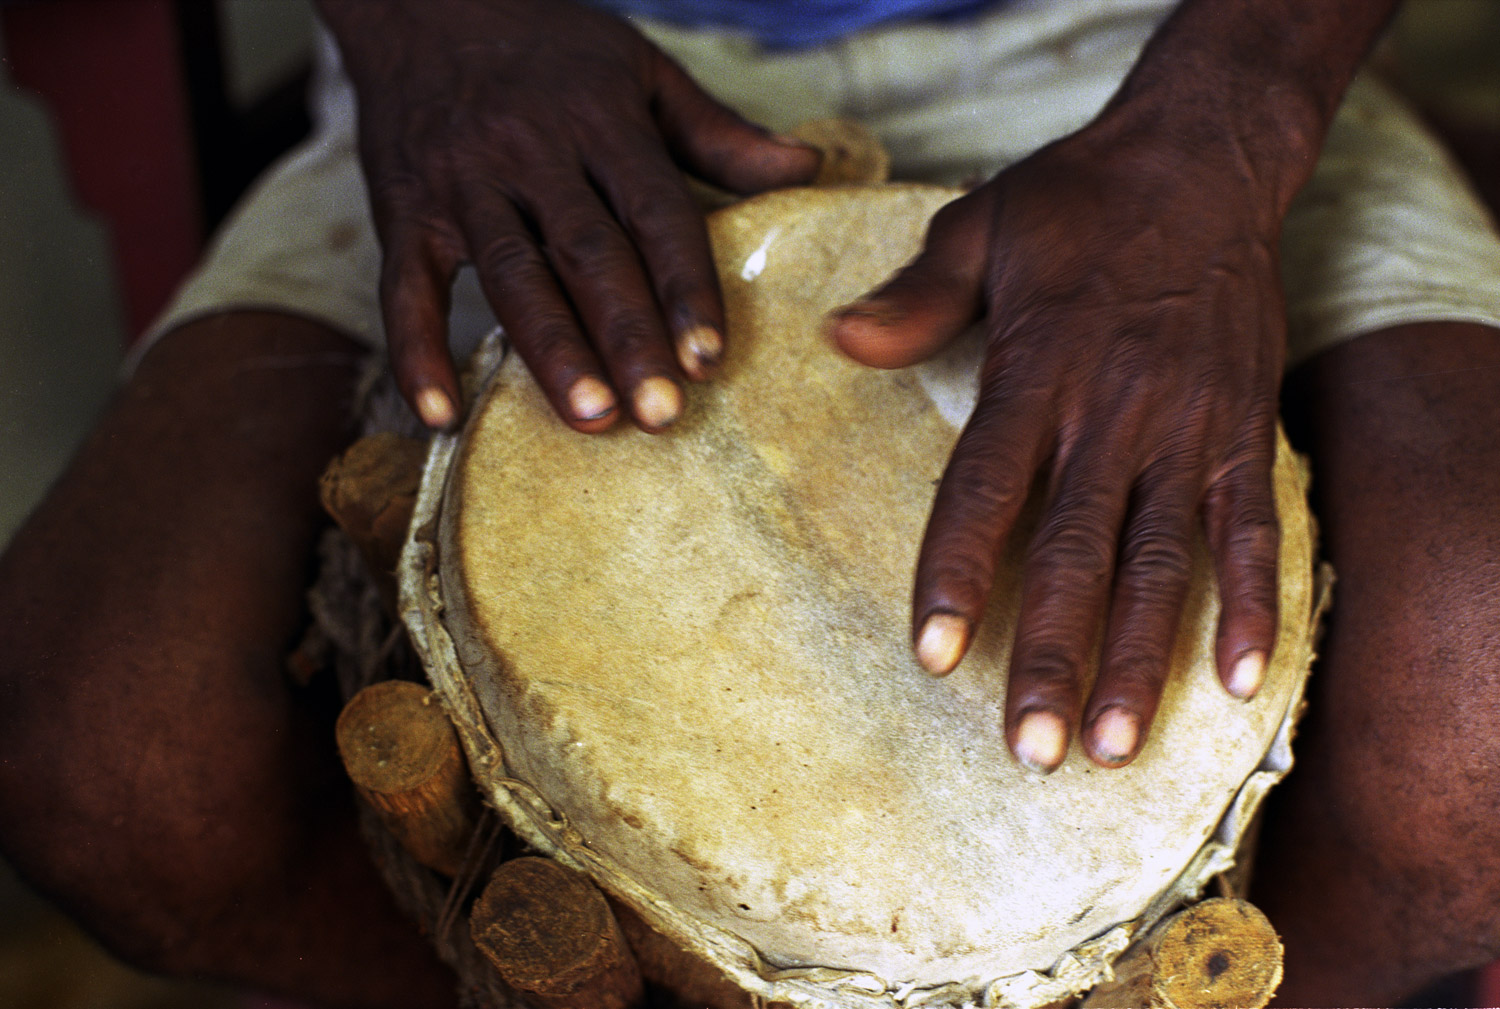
158	777
1099	380
545	142
1380	862
160	780
1127	275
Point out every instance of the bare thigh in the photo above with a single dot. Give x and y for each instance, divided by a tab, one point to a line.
157	775
1381	859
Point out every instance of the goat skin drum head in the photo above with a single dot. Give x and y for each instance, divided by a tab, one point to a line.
692	649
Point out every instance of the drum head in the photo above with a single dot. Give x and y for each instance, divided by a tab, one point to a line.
682	662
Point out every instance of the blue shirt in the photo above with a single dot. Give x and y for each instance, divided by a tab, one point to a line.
788	24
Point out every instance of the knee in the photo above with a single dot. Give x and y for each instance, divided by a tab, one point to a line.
1404	759
153	825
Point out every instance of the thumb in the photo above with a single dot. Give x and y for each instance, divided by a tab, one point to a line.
926	303
716	144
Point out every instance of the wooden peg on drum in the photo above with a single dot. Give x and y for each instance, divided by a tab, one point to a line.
405	760
369	491
1220	952
550	933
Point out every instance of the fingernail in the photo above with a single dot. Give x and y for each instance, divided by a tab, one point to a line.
1041	741
881	313
1116	734
787	140
1246	676
942	642
699	349
590	399
435	408
658	402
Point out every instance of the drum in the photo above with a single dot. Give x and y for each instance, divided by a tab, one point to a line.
681	664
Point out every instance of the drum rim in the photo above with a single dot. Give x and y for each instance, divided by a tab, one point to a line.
423	607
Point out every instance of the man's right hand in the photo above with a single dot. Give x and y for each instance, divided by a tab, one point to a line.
546	143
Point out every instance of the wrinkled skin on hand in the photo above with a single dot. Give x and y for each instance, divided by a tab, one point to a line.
1131	297
545	143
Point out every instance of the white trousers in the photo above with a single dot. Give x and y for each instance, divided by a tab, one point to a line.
1387	232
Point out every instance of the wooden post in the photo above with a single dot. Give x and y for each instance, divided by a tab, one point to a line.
370	491
405	759
1220	952
549	932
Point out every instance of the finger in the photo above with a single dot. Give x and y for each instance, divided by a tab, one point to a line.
981	493
521	289
715	143
415	280
1154	571
649	198
603	277
1064	589
1244	537
928	302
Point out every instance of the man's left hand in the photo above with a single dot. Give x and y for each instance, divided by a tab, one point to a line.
1130	292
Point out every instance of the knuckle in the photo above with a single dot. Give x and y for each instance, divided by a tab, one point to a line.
683	276
405	215
631	345
1255	537
982	478
1050	672
653	205
954	577
548	335
1072	551
973	499
395	288
687	284
1255	447
506	254
1135	350
551	346
398	191
517	131
1136	669
587	245
479	136
1157	558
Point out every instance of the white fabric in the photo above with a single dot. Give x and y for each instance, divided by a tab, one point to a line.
1387	232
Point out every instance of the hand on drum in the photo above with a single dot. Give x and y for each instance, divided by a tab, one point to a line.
1135	329
545	143
1129	289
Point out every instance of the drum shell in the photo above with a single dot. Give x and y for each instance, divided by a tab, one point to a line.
745	419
